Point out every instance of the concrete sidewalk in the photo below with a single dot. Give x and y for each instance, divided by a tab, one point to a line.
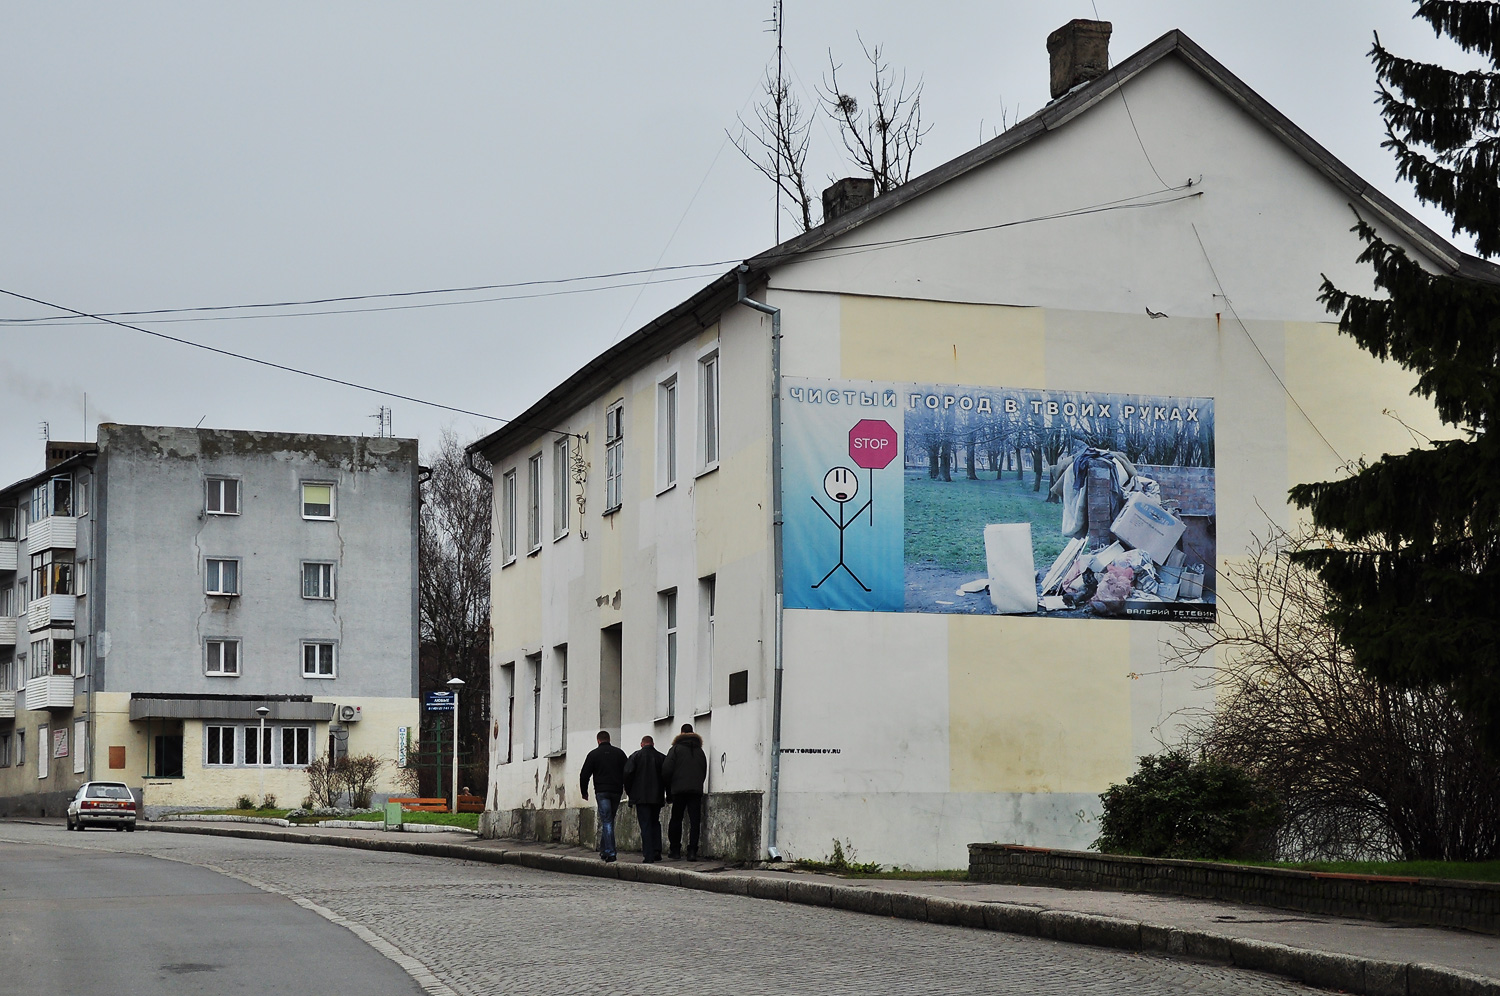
1358	956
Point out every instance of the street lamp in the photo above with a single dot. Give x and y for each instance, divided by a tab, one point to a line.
455	684
260	750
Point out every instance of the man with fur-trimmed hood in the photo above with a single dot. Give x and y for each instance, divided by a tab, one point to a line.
684	772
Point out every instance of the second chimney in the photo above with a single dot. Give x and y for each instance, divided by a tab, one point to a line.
1079	52
845	195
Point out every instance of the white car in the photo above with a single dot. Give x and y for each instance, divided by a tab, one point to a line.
102	804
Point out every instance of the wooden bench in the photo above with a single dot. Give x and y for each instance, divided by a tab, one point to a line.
418	805
470	804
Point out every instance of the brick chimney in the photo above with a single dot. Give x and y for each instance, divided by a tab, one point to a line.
847	194
1079	52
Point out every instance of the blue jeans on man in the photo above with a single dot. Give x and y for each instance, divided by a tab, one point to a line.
608	807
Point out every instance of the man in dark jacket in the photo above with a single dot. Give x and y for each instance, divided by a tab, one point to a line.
606	765
643	781
684	772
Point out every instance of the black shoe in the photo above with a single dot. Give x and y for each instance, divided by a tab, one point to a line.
675	855
608	858
692	856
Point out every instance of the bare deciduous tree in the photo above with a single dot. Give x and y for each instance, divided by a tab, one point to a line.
1365	770
881	137
777	145
454	588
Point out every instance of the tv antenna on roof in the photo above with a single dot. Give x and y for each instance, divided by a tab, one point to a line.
44	429
383	423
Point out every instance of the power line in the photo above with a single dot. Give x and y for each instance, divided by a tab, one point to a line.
1123	203
1285	390
266	363
60	322
1139	141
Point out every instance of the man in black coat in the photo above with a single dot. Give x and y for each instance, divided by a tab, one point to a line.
684	772
643	781
606	765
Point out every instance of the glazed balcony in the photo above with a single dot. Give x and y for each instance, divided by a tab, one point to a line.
8	630
55	532
7	705
9	555
51	610
53	691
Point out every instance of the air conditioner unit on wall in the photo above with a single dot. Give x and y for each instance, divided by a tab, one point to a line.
348	714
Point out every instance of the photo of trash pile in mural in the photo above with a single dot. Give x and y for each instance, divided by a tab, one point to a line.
1058	503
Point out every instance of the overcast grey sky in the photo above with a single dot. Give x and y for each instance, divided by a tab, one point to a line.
168	155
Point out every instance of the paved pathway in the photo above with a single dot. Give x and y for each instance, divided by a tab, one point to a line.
484	928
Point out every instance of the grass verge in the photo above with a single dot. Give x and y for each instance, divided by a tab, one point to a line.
1471	871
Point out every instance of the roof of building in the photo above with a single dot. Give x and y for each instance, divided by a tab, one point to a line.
681	323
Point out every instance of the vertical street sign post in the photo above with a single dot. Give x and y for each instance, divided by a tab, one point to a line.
455	684
441	702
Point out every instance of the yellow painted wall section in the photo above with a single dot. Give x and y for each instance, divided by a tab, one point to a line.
1343	389
1038	705
940	342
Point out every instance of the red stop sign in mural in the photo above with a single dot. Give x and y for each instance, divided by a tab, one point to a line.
872	444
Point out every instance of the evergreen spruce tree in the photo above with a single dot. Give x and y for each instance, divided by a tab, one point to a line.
1415	580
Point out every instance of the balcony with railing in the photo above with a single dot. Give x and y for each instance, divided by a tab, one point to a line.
52	691
7	705
55	532
51	610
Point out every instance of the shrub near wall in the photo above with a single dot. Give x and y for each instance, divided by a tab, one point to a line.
1174	807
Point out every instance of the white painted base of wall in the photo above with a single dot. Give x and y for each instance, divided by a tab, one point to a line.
932	830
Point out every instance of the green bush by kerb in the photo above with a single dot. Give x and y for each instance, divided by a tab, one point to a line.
1174	807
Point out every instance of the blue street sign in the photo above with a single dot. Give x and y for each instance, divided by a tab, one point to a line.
439	702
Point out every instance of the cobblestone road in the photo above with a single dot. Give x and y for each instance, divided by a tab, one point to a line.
483	929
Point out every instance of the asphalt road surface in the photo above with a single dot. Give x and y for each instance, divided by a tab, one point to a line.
93	920
158	913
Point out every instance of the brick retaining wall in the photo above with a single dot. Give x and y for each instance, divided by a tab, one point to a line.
1423	901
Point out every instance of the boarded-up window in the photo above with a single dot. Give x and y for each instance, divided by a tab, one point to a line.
117	757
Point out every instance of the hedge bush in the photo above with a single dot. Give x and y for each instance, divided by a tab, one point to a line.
1175	807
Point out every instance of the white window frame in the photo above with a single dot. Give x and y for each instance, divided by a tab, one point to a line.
81	577
709	408
265	757
213	576
215	492
533	503
216	735
561	487
215	652
614	457
507	734
8	528
81	496
666	434
333	499
325	579
533	746
703	679
304	748
557	727
668	647
508	518
333	660
43	751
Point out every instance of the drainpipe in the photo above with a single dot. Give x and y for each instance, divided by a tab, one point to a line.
469	465
776	521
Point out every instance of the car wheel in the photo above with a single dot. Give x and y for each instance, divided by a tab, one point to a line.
130	827
70	822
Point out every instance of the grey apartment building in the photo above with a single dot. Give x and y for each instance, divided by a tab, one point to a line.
159	587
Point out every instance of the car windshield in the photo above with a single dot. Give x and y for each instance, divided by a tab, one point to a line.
108	792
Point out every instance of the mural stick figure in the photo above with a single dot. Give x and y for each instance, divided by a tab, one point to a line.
872	447
841	485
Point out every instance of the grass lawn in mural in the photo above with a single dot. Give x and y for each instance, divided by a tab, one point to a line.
1058	503
945	523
